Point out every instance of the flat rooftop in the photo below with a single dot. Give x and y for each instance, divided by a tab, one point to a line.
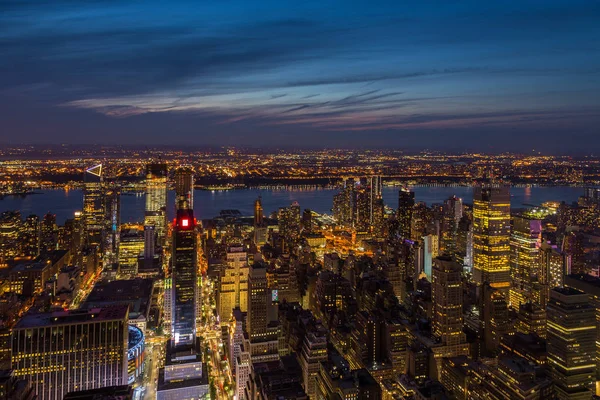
136	293
58	318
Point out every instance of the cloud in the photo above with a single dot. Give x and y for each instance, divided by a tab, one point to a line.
328	67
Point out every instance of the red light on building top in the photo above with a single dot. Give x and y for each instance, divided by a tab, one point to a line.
185	222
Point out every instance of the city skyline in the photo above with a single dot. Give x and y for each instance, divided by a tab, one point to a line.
371	301
493	76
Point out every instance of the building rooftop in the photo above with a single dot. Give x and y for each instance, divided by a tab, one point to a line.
137	293
123	392
180	384
118	312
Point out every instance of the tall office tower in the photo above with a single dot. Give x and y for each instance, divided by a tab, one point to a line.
394	272
289	222
525	242
10	225
182	378
314	351
462	240
30	239
362	213
451	215
49	233
307	221
130	248
447	299
491	236
156	200
184	278
531	319
112	222
495	318
258	212
233	283
344	204
149	241
429	251
406	204
94	213
375	188
573	246
184	188
256	323
571	340
378	225
554	265
65	351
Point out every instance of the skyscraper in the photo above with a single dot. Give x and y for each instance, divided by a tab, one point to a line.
256	323
65	351
258	212
362	212
451	215
30	239
491	236
48	233
289	223
571	340
93	205
375	185
406	203
183	377
344	204
496	321
156	200
525	242
184	277
184	188
112	222
233	283
447	298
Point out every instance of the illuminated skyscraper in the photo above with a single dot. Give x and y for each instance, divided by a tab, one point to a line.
30	238
531	319
72	350
184	278
289	222
362	212
447	298
525	242
233	283
406	203
554	265
258	212
375	185
48	233
184	188
451	215
496	319
344	204
112	223
94	213
571	340
491	236
256	323
156	200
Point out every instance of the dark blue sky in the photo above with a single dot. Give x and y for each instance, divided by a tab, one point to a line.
450	75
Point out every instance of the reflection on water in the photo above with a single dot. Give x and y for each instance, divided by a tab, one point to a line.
527	193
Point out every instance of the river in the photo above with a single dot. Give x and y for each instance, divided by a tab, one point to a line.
207	204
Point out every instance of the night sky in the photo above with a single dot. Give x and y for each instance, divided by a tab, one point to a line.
448	75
